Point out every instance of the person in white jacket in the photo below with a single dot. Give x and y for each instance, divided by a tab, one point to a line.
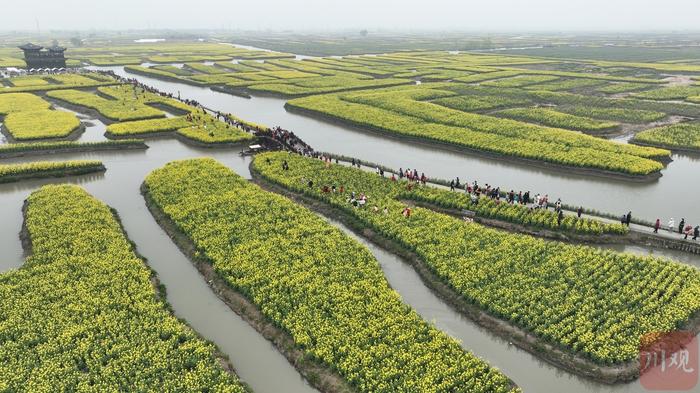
671	225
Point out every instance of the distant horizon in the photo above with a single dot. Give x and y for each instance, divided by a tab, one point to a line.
325	15
343	31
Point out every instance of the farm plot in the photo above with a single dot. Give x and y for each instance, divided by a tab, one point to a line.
683	137
196	126
112	109
670	93
37	148
121	103
397	112
83	311
28	117
166	52
42	169
323	288
594	304
614	114
553	118
53	82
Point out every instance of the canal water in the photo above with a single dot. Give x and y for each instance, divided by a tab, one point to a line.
254	358
529	372
675	194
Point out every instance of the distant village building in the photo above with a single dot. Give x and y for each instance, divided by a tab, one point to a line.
37	57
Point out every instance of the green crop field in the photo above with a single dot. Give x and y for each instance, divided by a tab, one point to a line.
562	294
357	211
322	287
683	136
87	301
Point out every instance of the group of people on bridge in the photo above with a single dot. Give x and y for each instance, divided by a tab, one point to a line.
291	142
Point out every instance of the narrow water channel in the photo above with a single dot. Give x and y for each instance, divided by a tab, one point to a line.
529	372
674	195
255	359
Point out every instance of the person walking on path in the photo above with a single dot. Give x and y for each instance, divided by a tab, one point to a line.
688	230
671	225
629	218
579	211
681	225
696	232
657	225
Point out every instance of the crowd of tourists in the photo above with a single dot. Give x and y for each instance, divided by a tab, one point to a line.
538	201
150	89
683	228
291	142
14	72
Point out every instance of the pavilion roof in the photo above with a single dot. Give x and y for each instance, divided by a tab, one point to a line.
30	46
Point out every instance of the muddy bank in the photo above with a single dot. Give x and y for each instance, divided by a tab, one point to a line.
135	145
675	149
318	375
53	173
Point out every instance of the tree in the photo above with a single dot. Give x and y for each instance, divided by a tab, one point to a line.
364	32
76	41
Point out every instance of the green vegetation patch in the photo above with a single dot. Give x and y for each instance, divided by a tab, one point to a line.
479	103
614	114
43	124
563	295
670	93
682	136
625	87
19	149
197	126
17	102
40	169
553	118
83	313
113	109
317	283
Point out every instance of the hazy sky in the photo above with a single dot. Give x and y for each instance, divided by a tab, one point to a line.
490	15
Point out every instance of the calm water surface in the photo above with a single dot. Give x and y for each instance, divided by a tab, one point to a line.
675	195
254	358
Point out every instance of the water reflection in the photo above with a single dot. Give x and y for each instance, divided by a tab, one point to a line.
674	195
529	372
255	359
